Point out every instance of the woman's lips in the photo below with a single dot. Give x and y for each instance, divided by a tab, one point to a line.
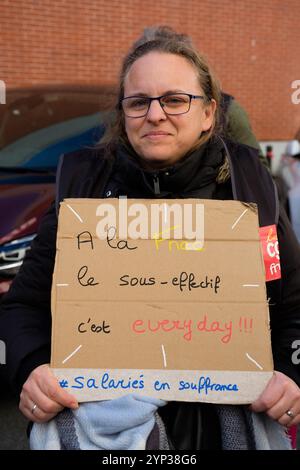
156	135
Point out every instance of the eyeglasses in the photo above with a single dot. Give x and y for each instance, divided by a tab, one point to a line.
172	104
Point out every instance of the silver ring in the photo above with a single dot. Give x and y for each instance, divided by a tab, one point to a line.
290	414
33	408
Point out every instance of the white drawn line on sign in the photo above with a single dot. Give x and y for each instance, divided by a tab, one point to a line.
164	354
72	354
239	218
61	285
250	285
254	361
74	212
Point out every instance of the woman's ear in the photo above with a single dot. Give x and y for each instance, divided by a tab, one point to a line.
209	112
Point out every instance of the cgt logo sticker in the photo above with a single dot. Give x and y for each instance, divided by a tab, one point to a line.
269	241
2	92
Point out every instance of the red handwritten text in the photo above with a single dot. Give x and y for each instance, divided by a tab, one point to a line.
188	327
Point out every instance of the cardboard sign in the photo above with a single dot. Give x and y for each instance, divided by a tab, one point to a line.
164	298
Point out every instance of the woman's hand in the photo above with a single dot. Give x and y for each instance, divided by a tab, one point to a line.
42	397
280	400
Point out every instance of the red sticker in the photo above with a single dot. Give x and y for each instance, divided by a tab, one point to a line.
269	241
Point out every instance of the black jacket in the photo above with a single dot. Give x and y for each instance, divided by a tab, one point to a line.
25	316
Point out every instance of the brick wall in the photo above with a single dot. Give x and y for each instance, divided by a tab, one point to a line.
254	46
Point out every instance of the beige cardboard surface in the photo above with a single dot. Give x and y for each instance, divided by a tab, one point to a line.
176	311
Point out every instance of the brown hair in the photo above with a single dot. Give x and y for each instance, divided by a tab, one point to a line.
163	39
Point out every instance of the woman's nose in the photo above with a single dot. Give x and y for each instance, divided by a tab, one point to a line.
155	112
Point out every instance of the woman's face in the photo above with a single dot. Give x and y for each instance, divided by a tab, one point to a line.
158	138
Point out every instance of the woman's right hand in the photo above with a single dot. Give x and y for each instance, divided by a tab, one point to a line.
43	390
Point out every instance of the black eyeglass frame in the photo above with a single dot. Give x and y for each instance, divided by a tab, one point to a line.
158	98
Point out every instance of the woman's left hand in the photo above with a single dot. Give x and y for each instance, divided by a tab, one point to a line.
280	400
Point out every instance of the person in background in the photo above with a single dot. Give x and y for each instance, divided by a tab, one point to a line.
166	142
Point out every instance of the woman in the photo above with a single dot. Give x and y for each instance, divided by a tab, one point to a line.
164	144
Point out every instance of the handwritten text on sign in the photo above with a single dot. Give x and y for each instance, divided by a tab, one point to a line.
174	311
